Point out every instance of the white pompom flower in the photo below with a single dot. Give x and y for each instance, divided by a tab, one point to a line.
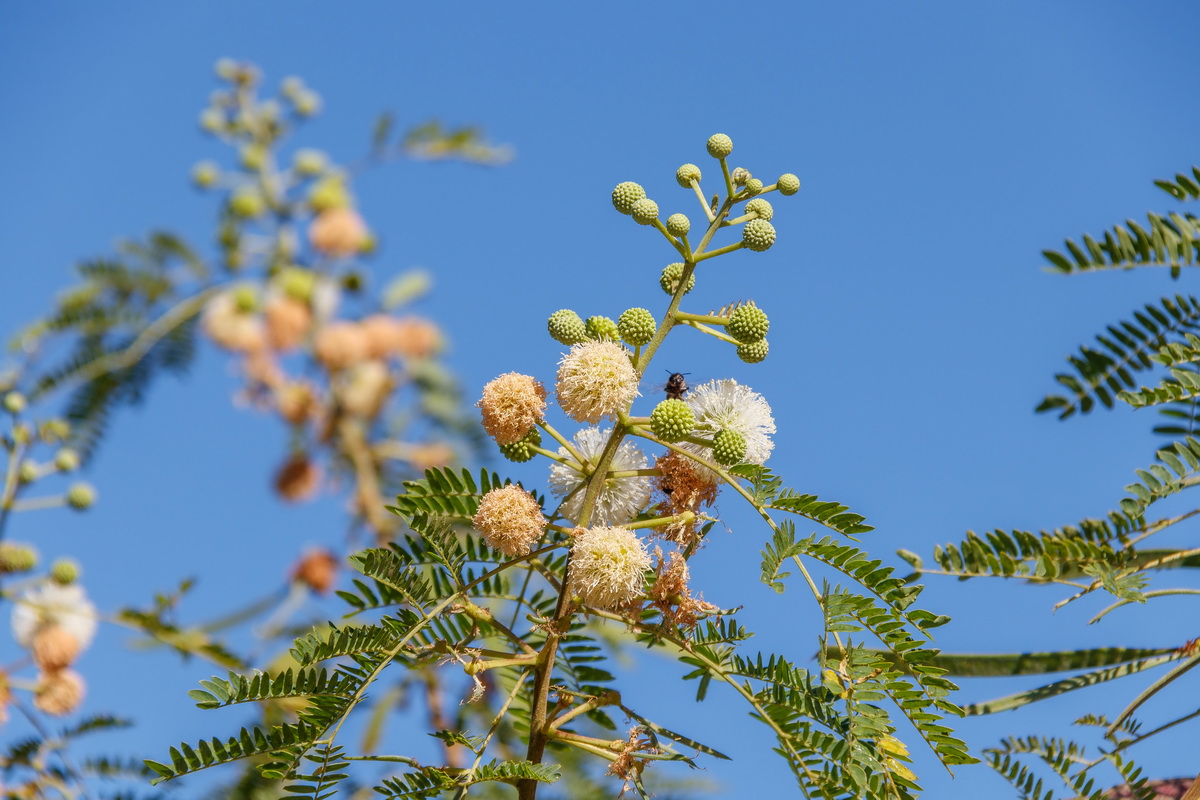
53	605
728	405
620	499
596	380
608	567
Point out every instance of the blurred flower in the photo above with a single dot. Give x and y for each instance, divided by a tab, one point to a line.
340	344
338	232
367	387
298	479
426	456
511	405
416	337
288	320
317	570
58	692
596	380
608	567
620	499
296	402
54	647
52	604
727	405
231	326
510	519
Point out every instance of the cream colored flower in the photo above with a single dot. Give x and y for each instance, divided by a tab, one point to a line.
58	692
338	232
288	321
510	519
340	344
608	567
620	499
230	325
727	405
511	405
596	380
54	647
367	388
53	605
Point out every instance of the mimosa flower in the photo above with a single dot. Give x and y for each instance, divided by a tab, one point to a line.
596	380
608	567
510	519
511	405
620	499
727	405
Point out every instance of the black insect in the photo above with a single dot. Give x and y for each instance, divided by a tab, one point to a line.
676	386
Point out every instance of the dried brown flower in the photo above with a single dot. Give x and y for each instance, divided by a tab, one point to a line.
298	479
317	570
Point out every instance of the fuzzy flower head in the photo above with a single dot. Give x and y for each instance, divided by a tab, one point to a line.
59	692
52	605
510	519
727	405
608	567
620	499
596	380
511	405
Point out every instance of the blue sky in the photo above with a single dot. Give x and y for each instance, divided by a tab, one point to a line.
941	147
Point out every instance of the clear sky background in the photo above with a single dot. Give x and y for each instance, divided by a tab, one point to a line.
941	146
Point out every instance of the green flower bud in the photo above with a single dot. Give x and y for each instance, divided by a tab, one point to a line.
65	571
253	157
16	557
309	162
327	194
625	195
760	207
739	176
297	283
788	184
14	402
205	175
748	324
719	145
522	450
669	281
245	299
672	420
306	103
353	281
729	448
753	186
247	202
54	430
686	174
758	235
27	472
81	496
565	326
753	352
66	460
600	327
644	211
637	326
678	225
212	120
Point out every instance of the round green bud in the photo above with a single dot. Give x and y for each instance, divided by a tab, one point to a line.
672	420
758	235
309	162
253	156
678	225
327	194
65	571
205	175
297	283
522	451
739	176
644	211
14	402
306	103
686	174
753	186
600	327
729	448
27	472
247	202
625	195
669	281
637	326
245	299
760	207
55	430
753	352
66	460
212	120
16	557
21	433
567	327
748	324
719	145
788	184
81	496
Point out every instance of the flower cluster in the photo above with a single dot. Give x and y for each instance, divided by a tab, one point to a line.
55	622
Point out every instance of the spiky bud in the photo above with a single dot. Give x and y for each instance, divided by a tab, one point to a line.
601	327
65	571
567	327
522	451
686	174
253	157
205	174
758	235
672	420
247	202
729	448
16	557
309	162
760	207
748	324
739	175
669	281
753	352
14	402
637	326
644	211
678	225
719	145
625	195
27	472
753	186
328	193
81	496
788	184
